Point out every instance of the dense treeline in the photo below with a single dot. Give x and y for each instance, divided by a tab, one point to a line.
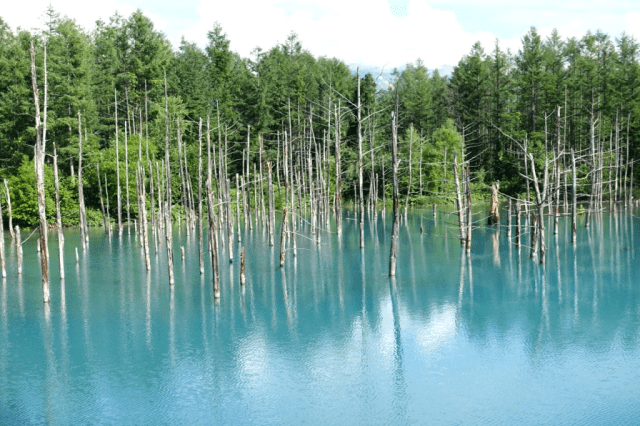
548	94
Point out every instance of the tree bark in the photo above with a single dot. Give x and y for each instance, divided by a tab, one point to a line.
39	175
119	191
283	240
394	231
574	204
58	216
83	216
360	165
199	219
6	187
126	173
168	231
460	205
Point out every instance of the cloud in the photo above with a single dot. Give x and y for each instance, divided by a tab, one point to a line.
371	33
29	14
358	32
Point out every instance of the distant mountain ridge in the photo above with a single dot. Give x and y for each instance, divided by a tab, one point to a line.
384	77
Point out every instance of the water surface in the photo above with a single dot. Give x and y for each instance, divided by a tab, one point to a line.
489	338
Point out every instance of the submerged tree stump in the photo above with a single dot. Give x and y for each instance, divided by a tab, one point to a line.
494	213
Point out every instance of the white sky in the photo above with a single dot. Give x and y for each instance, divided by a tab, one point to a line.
371	33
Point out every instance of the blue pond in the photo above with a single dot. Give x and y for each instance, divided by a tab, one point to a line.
489	338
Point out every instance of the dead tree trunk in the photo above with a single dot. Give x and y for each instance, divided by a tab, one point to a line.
104	214
58	216
541	199
338	211
271	217
242	276
168	231
509	220
360	166
518	223
18	242
534	235
143	209
106	191
406	203
182	177
469	212
494	213
83	216
199	219
283	235
6	187
119	191
594	167
126	175
39	174
574	204
460	205
3	268
394	232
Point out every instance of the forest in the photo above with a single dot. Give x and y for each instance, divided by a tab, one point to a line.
127	95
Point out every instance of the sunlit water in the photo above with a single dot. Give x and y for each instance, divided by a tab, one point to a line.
494	338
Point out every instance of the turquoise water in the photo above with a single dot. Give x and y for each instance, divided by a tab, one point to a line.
494	338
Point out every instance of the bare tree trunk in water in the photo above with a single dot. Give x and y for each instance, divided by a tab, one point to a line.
6	187
58	216
39	174
168	231
394	232
119	191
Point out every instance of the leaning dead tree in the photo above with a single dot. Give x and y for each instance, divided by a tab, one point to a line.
39	174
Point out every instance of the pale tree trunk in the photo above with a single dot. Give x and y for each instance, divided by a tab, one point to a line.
494	214
168	230
104	213
3	268
574	204
213	239
126	174
460	205
283	240
270	219
394	232
83	217
406	203
58	216
469	212
360	165
541	197
39	174
143	209
6	187
338	211
119	193
182	179
199	219
18	242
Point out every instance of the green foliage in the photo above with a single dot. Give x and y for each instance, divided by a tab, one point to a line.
22	187
489	106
